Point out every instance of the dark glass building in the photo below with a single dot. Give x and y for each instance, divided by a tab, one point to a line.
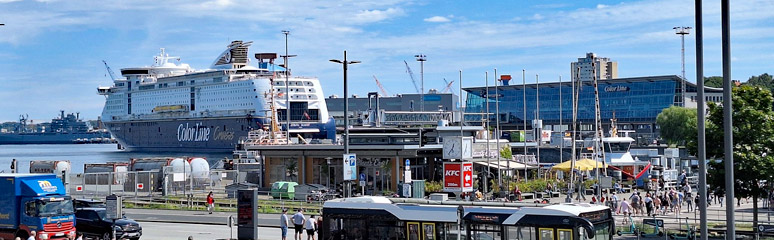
635	103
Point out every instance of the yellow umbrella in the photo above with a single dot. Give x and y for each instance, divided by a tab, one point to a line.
582	165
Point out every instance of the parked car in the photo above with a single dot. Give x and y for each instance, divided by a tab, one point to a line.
93	222
87	203
317	192
283	190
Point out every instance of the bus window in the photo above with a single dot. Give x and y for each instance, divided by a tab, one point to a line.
521	233
564	234
601	232
485	232
428	231
546	234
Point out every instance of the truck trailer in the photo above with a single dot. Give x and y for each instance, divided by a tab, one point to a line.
35	202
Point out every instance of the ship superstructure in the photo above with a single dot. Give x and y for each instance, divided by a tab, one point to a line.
172	107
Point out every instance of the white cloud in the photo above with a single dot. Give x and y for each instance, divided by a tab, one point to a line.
537	17
8	1
437	19
369	16
601	6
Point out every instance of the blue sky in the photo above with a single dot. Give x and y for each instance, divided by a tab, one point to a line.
51	51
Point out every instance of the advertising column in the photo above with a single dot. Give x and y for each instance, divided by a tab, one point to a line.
458	177
247	226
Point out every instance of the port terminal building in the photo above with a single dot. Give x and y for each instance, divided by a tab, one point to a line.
635	103
395	138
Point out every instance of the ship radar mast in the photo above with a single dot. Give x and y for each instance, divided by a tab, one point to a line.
163	58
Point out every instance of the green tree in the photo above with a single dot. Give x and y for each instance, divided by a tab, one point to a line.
763	80
714	81
677	124
753	126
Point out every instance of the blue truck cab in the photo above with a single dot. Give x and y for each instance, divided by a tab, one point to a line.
35	202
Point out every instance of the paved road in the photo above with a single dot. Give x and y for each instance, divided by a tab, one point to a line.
178	231
195	217
270	222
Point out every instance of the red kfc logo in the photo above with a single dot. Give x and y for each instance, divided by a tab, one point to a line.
451	176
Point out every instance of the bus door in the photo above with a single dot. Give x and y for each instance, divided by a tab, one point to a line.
555	234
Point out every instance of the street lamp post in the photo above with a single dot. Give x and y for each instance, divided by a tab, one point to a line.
287	87
421	58
346	103
328	160
682	31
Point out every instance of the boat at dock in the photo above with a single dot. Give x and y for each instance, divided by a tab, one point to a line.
169	107
65	129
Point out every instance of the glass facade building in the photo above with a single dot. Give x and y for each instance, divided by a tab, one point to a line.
635	102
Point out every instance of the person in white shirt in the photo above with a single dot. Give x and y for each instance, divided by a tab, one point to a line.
310	226
298	221
32	235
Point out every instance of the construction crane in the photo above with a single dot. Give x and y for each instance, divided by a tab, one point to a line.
448	86
110	71
411	74
381	88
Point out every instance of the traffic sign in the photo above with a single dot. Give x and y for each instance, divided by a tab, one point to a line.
350	167
79	189
408	163
376	173
362	177
139	186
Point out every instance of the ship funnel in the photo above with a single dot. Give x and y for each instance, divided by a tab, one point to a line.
234	57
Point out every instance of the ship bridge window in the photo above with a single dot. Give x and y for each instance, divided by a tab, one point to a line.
620	147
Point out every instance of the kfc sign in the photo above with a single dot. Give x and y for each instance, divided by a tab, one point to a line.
458	177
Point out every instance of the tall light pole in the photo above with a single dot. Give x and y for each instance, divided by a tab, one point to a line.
287	87
524	117
497	131
346	102
538	122
421	58
700	123
682	31
486	130
728	131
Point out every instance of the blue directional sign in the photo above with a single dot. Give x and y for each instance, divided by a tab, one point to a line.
408	163
362	177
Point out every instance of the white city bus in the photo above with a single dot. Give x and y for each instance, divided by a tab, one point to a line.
385	218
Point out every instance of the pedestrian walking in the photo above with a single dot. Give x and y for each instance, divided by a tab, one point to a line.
310	226
298	222
614	202
581	190
648	204
210	203
32	235
284	221
635	204
13	166
625	209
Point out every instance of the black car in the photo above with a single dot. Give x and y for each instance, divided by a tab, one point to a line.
88	203
94	222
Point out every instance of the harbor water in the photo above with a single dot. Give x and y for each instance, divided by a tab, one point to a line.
80	154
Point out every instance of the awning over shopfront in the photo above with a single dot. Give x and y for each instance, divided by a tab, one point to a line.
504	164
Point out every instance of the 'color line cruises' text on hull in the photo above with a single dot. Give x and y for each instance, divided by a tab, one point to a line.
171	107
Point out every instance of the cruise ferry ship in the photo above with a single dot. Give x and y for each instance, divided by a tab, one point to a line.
173	108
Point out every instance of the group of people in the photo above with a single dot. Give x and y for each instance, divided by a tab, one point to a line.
658	202
300	224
